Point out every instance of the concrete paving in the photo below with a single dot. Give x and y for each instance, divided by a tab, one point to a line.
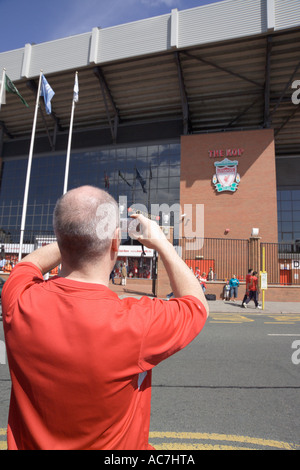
218	306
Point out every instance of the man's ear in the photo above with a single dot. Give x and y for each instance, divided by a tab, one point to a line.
115	243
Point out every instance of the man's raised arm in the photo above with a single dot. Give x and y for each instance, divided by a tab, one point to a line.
182	279
45	258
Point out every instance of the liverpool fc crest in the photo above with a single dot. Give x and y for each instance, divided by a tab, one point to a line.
226	177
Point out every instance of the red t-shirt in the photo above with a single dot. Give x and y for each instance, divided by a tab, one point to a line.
248	281
253	283
80	360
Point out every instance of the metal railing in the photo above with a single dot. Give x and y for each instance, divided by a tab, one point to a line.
282	263
225	257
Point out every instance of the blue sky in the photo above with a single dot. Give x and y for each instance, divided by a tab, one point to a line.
36	21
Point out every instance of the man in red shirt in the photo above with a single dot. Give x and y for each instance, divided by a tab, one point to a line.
253	290
248	281
80	358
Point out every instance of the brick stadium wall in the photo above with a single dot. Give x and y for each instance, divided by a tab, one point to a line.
253	205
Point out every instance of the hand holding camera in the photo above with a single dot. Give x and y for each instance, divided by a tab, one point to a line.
146	231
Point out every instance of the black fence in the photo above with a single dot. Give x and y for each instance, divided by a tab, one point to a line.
226	257
282	263
223	257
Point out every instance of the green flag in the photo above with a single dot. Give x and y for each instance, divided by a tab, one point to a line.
10	88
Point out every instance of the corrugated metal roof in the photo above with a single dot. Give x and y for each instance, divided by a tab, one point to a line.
222	21
287	13
223	74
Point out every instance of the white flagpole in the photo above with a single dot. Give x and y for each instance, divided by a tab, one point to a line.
2	87
69	141
29	167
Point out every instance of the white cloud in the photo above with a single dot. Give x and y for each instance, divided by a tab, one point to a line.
76	16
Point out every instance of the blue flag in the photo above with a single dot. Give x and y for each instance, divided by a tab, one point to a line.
47	93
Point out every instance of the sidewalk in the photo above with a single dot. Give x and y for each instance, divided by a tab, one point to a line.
216	306
219	306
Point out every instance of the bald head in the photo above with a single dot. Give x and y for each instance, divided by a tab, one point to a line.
85	220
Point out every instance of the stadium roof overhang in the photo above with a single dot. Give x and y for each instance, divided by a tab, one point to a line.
218	68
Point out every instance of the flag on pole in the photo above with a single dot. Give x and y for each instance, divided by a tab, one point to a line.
27	182
11	88
124	179
8	86
141	180
47	93
106	181
76	89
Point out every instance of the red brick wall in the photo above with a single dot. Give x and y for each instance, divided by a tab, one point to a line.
254	204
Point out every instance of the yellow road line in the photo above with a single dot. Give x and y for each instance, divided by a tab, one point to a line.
3	444
223	437
168	446
201	446
231	318
285	317
201	437
227	322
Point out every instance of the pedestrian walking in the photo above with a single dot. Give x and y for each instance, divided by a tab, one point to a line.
124	275
248	280
112	276
253	290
